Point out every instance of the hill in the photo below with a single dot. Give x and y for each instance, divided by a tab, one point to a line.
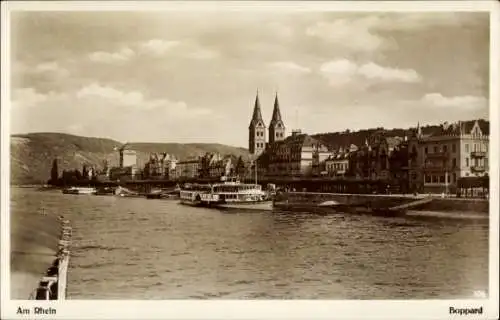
32	154
334	140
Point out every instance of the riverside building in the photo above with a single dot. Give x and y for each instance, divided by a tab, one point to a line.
454	151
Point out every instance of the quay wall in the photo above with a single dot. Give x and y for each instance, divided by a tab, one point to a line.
387	201
457	204
37	240
34	240
347	199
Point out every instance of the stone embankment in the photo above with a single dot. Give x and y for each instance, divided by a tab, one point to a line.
39	255
374	203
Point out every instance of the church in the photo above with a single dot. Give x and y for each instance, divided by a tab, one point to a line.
295	155
257	129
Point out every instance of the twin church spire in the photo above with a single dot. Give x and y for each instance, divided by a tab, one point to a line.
257	129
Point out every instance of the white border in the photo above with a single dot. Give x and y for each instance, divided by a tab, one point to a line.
246	309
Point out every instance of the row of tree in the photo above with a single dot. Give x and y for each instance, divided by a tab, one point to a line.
68	177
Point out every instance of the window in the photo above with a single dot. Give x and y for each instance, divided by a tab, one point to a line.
448	177
435	149
454	177
434	179
466	162
454	162
453	148
466	147
441	179
475	147
426	150
427	178
445	148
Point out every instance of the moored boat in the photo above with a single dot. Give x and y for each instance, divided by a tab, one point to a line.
227	195
79	190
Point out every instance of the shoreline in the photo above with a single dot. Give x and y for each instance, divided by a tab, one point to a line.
39	256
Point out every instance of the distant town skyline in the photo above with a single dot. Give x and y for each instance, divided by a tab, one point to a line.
193	76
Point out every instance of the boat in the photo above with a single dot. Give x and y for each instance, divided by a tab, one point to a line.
127	193
230	194
79	190
163	194
196	195
106	191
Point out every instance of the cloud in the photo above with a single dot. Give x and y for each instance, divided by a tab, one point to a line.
157	46
51	68
374	71
203	54
289	66
366	33
353	34
124	98
29	97
462	102
138	101
280	30
123	55
343	71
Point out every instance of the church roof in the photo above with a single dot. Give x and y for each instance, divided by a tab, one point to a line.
276	112
257	113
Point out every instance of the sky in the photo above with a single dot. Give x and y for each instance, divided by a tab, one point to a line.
193	76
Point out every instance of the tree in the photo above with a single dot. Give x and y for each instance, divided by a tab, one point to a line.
240	167
54	173
77	175
85	172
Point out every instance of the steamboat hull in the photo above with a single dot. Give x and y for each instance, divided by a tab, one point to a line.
250	205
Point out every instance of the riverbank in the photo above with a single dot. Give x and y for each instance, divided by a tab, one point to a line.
376	203
39	252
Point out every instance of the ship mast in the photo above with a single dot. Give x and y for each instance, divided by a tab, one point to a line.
255	171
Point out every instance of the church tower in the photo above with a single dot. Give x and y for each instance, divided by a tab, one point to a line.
276	126
256	130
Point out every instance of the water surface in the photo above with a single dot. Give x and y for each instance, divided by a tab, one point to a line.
133	248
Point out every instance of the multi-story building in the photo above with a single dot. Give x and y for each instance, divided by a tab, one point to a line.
159	166
297	155
188	169
371	161
454	151
128	157
337	164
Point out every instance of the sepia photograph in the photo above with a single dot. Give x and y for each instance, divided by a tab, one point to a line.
249	152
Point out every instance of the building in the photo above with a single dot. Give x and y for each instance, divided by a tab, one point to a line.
337	164
297	155
452	152
256	131
371	161
188	169
276	126
159	166
128	157
257	142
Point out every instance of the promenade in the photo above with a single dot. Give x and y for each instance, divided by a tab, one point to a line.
34	243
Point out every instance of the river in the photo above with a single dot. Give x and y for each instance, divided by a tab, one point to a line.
134	248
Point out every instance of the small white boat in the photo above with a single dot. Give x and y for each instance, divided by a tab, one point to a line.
79	190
